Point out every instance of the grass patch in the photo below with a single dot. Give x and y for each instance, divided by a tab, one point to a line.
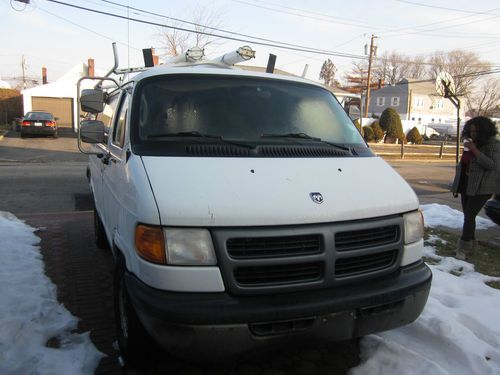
486	260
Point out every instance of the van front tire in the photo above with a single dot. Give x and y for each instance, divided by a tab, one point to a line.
132	339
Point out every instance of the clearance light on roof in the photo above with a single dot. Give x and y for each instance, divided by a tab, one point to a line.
191	55
244	53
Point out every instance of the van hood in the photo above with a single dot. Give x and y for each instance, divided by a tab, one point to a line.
196	191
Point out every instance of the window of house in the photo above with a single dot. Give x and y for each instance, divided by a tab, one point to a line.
440	103
419	102
432	120
420	119
380	101
413	119
395	101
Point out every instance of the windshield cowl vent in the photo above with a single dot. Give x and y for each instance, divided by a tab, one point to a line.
300	152
216	150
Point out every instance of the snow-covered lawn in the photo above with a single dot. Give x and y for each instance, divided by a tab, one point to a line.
459	329
458	332
30	314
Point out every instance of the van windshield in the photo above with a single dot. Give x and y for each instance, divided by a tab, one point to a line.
240	109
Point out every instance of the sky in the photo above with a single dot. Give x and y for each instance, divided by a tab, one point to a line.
58	37
457	333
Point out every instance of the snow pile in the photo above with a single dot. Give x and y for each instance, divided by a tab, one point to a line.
436	215
458	331
30	314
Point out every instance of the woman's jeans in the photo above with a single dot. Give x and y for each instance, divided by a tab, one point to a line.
471	205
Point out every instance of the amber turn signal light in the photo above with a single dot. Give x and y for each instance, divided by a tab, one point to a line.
150	244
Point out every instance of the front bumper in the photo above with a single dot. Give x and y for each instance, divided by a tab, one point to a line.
187	322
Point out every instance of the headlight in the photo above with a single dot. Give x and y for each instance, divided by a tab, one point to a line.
189	247
414	226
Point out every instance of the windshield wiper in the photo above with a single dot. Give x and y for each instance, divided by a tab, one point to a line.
198	135
308	137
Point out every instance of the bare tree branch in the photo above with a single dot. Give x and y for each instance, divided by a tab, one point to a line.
458	63
485	99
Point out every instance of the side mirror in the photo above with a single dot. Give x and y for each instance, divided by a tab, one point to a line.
92	131
92	100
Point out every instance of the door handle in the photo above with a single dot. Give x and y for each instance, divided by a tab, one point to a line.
105	159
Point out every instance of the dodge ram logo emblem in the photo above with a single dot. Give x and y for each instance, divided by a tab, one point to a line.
316	197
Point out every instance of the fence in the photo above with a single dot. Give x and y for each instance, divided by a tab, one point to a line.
440	151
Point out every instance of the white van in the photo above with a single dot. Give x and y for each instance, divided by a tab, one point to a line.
245	209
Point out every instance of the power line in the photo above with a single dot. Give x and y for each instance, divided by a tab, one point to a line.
201	25
87	29
314	15
297	48
446	8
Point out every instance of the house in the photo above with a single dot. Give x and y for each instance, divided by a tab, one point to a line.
415	101
60	96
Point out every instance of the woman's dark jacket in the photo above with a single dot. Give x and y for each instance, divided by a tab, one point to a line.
484	171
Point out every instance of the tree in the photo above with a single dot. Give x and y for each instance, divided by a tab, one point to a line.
390	122
203	20
414	136
378	133
461	65
485	99
392	67
327	73
368	134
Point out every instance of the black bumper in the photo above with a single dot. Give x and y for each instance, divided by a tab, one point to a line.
38	130
189	320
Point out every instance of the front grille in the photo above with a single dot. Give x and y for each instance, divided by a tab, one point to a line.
353	266
278	274
273	247
372	237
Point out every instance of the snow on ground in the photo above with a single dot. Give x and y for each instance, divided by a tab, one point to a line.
30	314
459	329
440	215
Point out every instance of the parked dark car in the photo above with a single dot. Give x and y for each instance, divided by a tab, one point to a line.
39	122
492	209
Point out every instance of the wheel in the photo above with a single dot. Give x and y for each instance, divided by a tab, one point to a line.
101	241
133	341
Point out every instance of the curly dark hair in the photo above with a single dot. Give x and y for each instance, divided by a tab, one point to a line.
485	129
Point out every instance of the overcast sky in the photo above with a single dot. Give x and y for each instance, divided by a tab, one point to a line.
58	37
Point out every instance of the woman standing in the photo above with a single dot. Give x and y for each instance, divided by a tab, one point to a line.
477	177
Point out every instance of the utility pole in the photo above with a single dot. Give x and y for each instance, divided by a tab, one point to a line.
24	65
372	53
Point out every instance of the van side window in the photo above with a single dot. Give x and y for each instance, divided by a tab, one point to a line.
119	129
106	116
